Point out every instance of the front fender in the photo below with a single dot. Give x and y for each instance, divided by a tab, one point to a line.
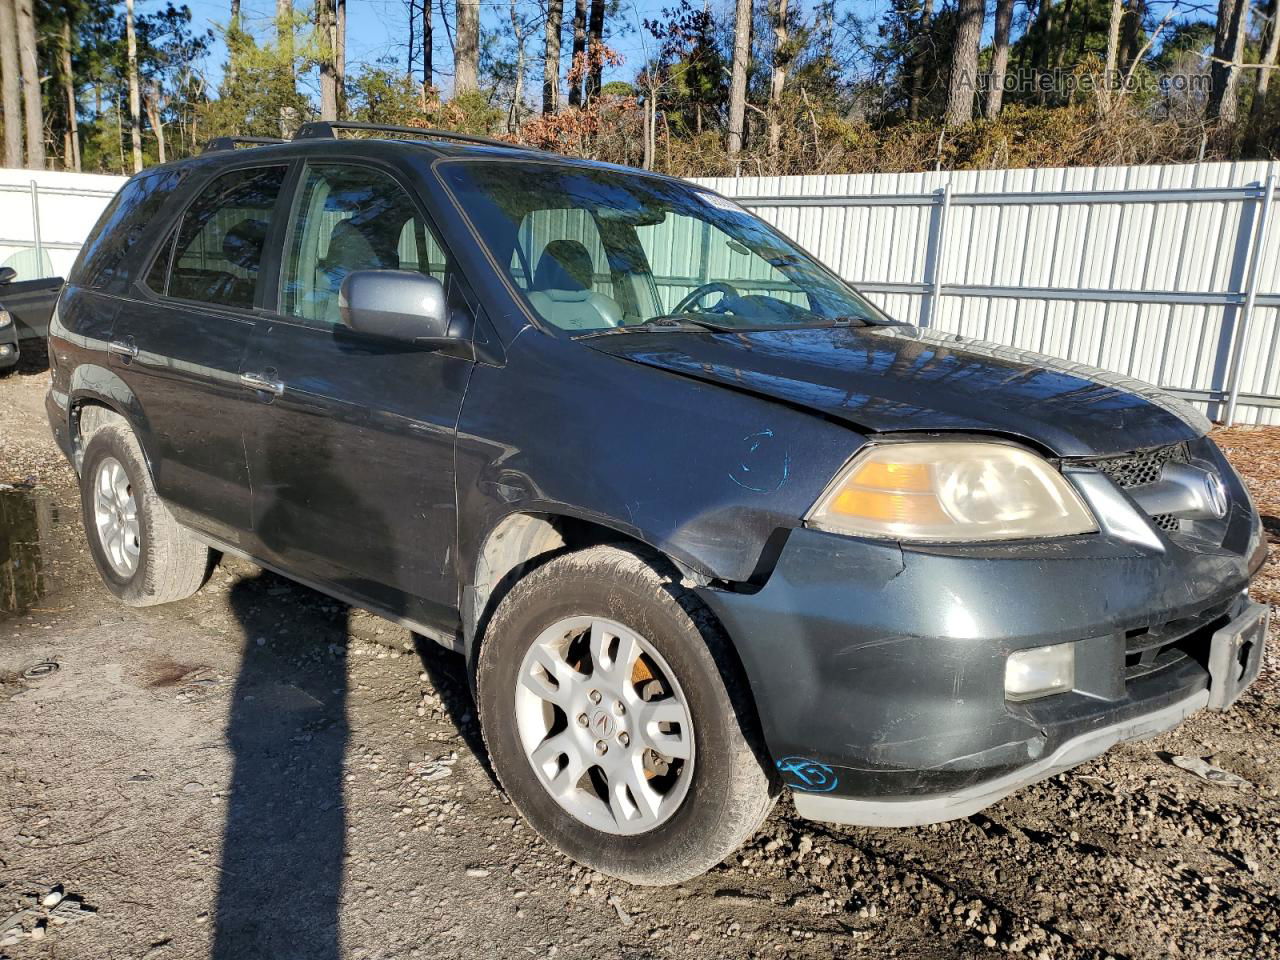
707	475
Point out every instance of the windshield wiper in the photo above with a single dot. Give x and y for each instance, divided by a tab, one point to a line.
672	323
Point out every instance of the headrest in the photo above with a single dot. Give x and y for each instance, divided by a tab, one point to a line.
242	245
351	248
564	265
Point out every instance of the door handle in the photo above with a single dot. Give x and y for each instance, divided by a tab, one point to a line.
123	348
258	381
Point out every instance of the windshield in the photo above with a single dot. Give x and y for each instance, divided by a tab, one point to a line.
596	250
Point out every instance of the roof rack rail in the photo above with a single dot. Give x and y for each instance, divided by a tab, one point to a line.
230	143
327	130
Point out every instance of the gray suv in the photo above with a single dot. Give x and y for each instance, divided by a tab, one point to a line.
706	524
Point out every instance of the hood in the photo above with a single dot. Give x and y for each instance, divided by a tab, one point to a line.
902	378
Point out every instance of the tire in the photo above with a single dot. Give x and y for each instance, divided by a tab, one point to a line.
718	797
168	562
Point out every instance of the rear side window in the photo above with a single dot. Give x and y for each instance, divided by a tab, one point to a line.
104	257
217	256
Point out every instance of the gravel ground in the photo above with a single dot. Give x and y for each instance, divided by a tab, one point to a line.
263	772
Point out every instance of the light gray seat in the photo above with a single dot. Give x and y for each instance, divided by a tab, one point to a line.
562	291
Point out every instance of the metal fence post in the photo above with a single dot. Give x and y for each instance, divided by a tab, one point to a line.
1250	298
939	231
35	227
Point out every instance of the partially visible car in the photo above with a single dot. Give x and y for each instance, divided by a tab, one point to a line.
25	309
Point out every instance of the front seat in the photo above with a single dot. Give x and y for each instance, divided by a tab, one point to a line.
562	291
351	248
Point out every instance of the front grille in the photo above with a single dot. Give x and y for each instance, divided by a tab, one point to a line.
1149	649
1135	469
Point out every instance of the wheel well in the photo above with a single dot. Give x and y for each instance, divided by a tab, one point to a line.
519	544
86	417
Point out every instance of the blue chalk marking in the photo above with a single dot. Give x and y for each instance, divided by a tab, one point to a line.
756	439
810	776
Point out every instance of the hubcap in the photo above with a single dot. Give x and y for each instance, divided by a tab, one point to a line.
605	725
115	514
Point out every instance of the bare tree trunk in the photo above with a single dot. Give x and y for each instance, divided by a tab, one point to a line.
1113	50
12	88
157	126
284	41
999	57
1270	49
69	93
1228	44
30	69
413	24
964	62
135	105
233	24
466	51
650	126
916	92
1043	46
778	73
1132	36
551	57
327	34
738	77
340	50
284	30
428	44
579	48
595	47
517	92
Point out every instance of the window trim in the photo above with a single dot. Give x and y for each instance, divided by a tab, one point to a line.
298	186
175	225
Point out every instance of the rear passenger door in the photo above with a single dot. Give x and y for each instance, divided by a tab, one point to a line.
180	340
351	450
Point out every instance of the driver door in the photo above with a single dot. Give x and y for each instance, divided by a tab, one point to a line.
352	452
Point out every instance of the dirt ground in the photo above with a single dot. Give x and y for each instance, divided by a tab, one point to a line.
261	772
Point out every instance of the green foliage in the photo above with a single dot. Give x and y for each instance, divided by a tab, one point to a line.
858	96
259	95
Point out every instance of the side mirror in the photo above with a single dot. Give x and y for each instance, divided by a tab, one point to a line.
400	305
7	274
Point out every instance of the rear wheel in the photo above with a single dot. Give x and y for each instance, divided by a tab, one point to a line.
143	554
617	720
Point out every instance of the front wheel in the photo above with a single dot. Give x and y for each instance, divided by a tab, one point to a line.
617	720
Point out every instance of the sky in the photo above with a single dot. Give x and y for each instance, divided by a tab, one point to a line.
377	29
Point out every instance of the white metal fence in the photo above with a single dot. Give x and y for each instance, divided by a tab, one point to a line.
1166	273
45	217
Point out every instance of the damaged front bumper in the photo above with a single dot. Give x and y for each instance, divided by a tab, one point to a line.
878	671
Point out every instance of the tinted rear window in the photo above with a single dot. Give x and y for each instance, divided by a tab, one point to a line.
104	259
221	240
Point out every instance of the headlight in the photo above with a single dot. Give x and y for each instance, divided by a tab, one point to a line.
5	319
950	491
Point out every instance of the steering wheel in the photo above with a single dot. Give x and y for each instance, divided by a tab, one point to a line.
715	286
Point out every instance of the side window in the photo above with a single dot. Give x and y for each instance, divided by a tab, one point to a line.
103	257
218	253
351	218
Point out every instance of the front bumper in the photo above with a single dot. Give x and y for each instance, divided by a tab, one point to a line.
878	671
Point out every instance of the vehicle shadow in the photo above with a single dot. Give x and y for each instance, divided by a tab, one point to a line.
280	884
284	841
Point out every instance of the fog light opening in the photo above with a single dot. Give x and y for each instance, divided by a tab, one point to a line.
1040	672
